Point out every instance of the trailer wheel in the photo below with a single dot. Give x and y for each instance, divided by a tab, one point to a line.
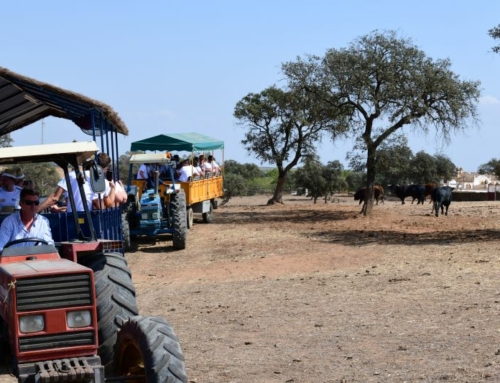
189	217
115	296
127	244
147	347
208	216
179	220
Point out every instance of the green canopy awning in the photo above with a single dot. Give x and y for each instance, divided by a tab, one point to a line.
178	142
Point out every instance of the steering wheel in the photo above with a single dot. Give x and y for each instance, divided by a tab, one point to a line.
36	241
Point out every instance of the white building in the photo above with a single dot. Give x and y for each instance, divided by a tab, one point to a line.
473	181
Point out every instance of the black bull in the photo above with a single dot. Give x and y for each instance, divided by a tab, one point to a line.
441	197
417	192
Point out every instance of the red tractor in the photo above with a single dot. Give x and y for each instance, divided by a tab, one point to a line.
68	311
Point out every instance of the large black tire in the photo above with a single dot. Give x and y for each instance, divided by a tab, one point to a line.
208	216
189	214
116	303
148	346
127	244
179	220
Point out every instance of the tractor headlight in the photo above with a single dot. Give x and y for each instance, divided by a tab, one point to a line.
144	215
154	215
31	323
76	319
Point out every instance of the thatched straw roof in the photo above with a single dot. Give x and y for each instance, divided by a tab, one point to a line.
24	100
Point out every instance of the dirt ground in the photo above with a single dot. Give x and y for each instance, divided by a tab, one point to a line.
317	293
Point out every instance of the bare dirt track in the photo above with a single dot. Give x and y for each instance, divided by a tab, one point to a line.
317	293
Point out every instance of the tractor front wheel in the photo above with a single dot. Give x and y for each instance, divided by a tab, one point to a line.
179	220
115	296
148	349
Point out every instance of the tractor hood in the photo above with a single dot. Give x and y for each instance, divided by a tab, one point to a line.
13	271
39	268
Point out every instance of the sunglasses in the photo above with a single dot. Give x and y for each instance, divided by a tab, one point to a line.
31	203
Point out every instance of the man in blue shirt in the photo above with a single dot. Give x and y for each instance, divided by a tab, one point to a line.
26	223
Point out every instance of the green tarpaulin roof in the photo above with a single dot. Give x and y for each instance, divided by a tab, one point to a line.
178	142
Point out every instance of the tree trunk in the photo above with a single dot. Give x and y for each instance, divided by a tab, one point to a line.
367	209
278	192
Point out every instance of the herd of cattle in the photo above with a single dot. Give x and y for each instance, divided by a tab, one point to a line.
440	195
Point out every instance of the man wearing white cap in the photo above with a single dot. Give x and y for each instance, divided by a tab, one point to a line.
9	193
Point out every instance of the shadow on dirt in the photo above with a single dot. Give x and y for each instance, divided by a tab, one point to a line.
366	237
355	237
303	216
160	244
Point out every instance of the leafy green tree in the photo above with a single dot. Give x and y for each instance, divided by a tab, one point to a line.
495	34
354	180
490	167
332	174
445	168
423	169
44	176
247	171
282	127
234	185
392	164
386	83
310	176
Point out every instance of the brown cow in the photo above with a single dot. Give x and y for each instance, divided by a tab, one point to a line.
378	193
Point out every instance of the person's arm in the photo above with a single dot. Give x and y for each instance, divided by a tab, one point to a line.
51	199
6	230
120	193
109	200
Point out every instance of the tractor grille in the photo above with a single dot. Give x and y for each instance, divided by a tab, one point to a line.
53	292
44	342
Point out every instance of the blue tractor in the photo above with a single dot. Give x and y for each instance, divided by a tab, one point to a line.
157	208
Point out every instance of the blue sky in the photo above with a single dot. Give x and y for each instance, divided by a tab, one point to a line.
181	66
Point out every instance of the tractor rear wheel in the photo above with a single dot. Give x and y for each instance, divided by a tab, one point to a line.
208	216
115	296
179	220
127	244
147	347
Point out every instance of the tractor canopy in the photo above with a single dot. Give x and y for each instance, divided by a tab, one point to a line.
189	142
24	100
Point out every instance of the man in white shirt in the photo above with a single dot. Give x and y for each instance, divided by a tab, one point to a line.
26	223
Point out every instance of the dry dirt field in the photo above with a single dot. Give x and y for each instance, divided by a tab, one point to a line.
317	293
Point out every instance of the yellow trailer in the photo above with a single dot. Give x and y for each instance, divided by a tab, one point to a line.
201	192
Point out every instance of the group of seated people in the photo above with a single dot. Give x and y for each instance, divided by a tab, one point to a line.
183	170
26	206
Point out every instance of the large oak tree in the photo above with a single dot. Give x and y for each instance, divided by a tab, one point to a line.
282	126
387	83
